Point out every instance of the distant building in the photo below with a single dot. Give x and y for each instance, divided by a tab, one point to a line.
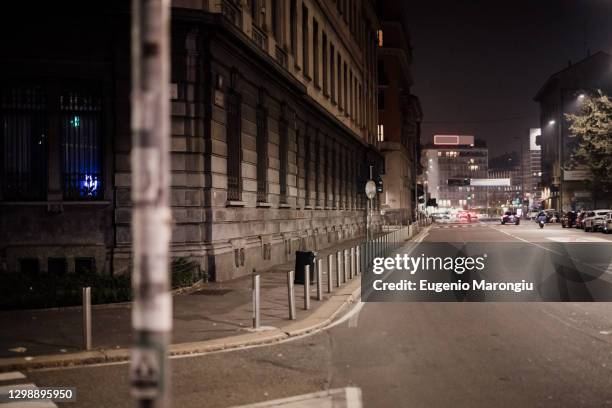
532	172
500	196
451	162
563	188
399	114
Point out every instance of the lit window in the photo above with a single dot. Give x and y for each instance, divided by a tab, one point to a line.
380	38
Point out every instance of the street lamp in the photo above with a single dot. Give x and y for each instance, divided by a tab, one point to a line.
551	122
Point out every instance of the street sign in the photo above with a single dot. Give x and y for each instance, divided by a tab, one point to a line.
370	189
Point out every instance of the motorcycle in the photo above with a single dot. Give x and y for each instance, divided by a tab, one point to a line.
541	223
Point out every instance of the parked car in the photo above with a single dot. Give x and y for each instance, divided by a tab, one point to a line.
569	219
596	221
510	218
440	217
607	227
553	216
581	217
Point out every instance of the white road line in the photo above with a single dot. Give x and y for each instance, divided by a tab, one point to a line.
327	399
10	376
29	404
551	250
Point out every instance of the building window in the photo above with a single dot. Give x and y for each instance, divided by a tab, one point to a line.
324	64
283	153
345	90
317	152
332	73
340	102
276	20
306	168
81	144
325	176
315	51
234	147
381	133
305	50
293	17
262	154
24	143
379	34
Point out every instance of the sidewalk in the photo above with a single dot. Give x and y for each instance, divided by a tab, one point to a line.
209	316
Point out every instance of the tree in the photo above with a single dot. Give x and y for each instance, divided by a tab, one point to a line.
592	143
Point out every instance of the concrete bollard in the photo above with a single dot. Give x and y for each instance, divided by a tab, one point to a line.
86	318
353	269
319	279
338	269
256	300
330	280
291	294
307	287
358	259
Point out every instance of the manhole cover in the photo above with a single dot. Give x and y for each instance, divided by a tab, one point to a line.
211	292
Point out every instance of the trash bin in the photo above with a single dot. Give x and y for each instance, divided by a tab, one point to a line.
303	258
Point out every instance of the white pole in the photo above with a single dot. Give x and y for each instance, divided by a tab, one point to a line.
319	279
256	300
291	294
330	280
307	287
151	217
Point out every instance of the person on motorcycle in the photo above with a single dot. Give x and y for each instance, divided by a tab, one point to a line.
542	219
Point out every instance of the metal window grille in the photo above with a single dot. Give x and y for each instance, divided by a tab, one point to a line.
262	154
81	136
234	147
283	156
23	145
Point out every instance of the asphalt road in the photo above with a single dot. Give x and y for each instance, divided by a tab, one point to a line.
406	354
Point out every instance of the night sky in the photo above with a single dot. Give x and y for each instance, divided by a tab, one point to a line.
478	64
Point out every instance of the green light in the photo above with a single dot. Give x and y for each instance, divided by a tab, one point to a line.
75	121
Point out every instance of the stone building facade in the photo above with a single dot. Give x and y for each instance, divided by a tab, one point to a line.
399	114
273	131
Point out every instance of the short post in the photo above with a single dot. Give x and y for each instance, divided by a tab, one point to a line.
358	257
291	294
330	280
307	287
319	279
338	268
353	271
87	318
256	303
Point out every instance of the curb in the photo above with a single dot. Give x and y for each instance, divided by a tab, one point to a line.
334	305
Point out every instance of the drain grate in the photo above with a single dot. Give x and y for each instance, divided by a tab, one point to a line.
211	292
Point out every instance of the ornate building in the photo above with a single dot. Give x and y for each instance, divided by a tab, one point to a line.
274	116
399	114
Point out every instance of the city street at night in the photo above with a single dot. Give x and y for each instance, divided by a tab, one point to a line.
405	354
306	204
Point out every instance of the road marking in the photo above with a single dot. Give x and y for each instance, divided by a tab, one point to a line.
577	239
349	397
13	375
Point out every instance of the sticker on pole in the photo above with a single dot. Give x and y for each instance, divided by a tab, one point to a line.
145	373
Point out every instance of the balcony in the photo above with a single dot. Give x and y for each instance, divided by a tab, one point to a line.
260	38
281	56
231	10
